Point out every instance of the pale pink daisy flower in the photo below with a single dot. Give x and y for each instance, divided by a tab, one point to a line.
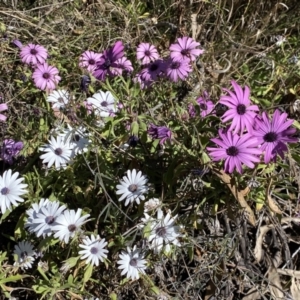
185	48
146	53
178	69
3	107
46	77
205	105
121	65
33	54
88	60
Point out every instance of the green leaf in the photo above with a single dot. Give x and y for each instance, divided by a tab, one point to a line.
154	145
135	128
72	261
155	290
2	257
19	231
113	296
2	27
13	278
296	124
5	215
70	279
88	273
205	158
41	288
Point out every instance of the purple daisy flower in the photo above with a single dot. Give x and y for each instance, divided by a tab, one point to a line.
178	69
241	111
33	54
153	70
88	60
236	150
146	53
10	150
108	61
46	77
3	107
185	48
122	64
206	106
162	133
143	83
273	134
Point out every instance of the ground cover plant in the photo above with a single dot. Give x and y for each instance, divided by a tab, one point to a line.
149	149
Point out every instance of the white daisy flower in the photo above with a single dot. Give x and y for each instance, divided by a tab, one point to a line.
132	262
25	253
296	106
68	224
32	212
93	250
278	39
103	104
57	152
59	99
151	204
163	232
46	217
132	187
77	138
10	190
144	221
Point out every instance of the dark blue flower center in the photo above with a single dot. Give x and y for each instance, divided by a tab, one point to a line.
161	231
270	137
133	262
132	188
203	106
153	67
184	52
76	138
49	220
71	227
147	53
5	191
8	151
23	254
58	151
232	151
175	65
46	75
104	103
33	52
92	61
94	250
241	109
107	63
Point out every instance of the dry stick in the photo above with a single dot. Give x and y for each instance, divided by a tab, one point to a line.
17	17
238	194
